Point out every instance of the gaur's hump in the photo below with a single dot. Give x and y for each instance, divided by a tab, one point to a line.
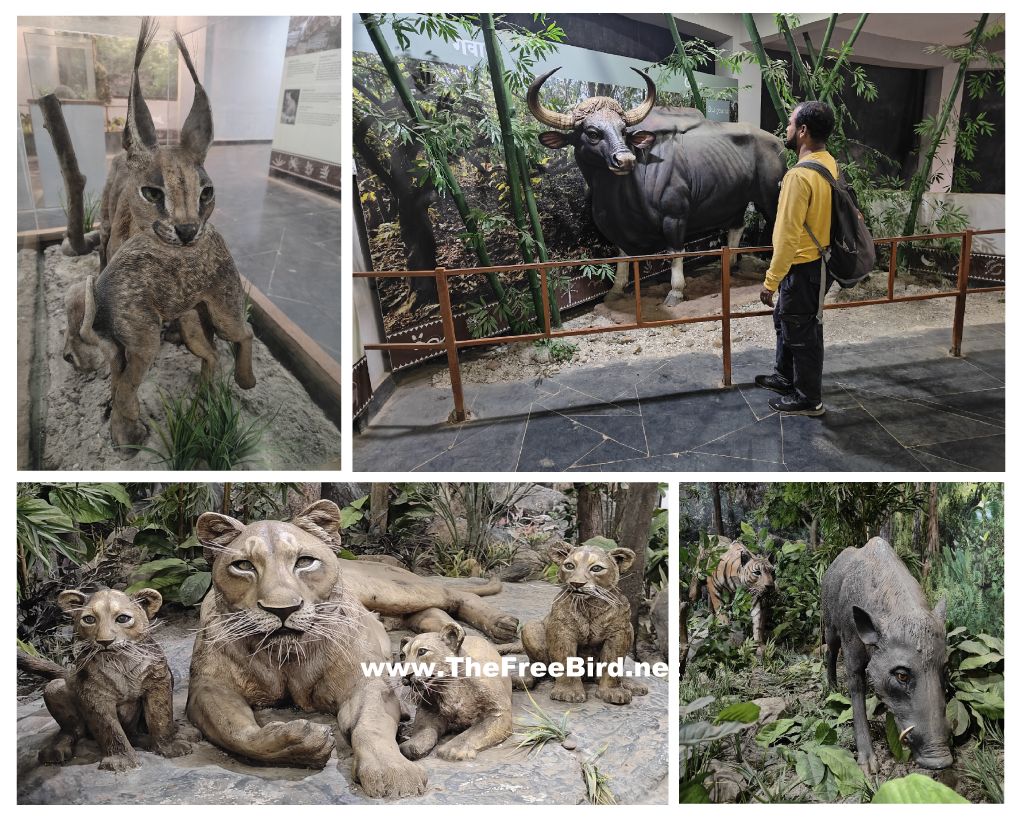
665	120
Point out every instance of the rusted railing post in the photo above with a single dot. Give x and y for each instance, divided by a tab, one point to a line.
444	299
892	268
726	321
636	292
545	300
962	276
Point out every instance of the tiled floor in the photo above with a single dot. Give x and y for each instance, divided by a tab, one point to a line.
893	405
284	238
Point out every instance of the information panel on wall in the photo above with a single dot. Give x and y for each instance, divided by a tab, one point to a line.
307	134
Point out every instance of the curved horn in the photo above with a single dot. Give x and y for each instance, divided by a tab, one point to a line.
635	115
197	131
548	117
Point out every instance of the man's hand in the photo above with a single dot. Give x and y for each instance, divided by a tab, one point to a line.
768	297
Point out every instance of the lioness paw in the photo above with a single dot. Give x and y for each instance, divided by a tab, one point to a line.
569	693
636	688
390	778
615	696
174	747
505	629
119	762
61	751
455	751
415	748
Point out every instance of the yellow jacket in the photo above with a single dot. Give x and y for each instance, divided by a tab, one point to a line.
805	197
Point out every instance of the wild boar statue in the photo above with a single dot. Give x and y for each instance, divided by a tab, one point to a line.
877	612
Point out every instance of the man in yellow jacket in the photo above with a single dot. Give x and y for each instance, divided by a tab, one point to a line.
797	269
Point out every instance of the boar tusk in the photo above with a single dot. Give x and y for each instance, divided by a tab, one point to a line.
905	733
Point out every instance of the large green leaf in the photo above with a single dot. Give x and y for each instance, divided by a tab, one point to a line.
992	642
740	712
772	732
809	767
825	734
693	792
972	647
602	542
194	588
916	789
849	776
979	661
957	717
696	705
692	734
892	735
148	569
837	702
349	517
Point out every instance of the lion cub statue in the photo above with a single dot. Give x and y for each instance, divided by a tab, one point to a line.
118	683
480	706
589	618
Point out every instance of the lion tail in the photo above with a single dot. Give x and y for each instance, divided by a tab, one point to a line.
482	588
86	331
40	667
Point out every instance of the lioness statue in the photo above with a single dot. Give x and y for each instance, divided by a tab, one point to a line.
589	618
287	622
450	700
119	684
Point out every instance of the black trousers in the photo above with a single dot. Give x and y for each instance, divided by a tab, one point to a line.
799	337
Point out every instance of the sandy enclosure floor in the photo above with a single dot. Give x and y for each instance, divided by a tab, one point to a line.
77	433
511	363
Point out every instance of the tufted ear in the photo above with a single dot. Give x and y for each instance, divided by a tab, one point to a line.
139	138
452	634
623	558
322	519
71	600
150	600
216	532
197	132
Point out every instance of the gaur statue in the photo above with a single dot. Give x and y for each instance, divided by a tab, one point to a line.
658	175
877	612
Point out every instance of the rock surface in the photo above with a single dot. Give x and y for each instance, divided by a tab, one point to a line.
635	759
77	434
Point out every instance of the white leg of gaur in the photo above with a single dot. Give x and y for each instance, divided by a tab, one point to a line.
675	295
621	278
732	240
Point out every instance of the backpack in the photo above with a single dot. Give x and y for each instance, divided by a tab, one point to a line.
850	255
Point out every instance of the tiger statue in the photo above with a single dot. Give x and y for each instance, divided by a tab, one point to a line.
738	568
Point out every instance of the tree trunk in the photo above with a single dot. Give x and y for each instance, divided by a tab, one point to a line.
813	537
634	510
716	511
932	549
378	509
589	511
306	495
74	180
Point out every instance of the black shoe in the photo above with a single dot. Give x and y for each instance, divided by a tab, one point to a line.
773	382
793	404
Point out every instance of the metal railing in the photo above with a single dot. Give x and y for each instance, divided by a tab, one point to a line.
450	344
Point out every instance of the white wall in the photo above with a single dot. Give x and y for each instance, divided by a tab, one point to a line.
244	58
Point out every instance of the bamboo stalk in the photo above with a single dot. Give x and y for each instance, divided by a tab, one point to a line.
831	27
917	188
513	171
798	62
698	98
762	58
472	227
844	53
810	50
538	233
